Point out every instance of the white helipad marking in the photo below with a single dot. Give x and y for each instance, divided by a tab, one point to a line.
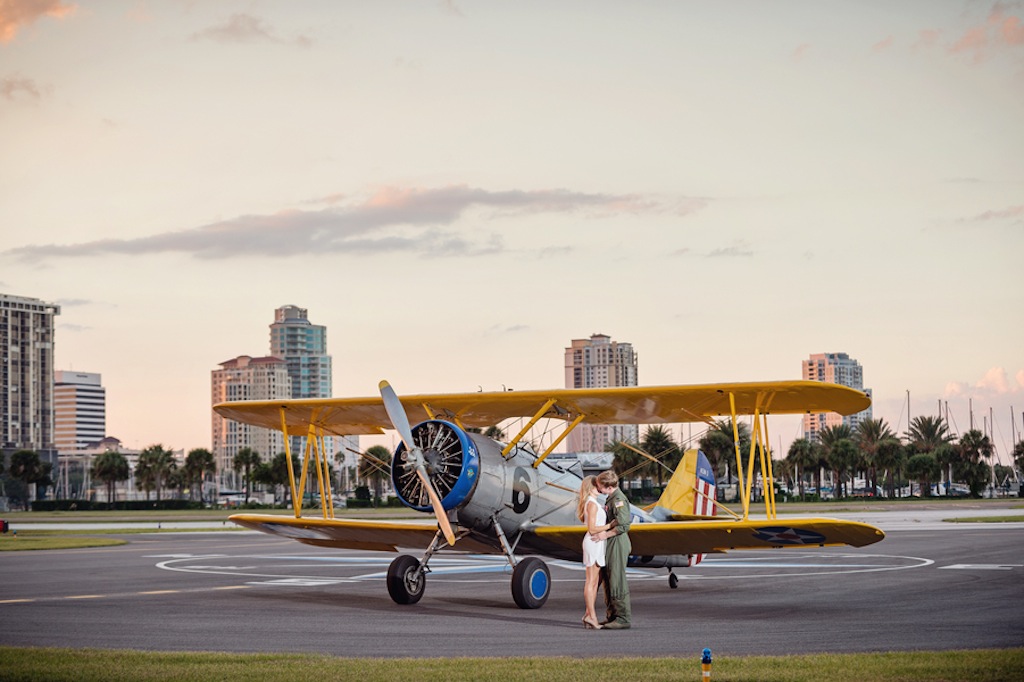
299	582
799	563
984	567
297	570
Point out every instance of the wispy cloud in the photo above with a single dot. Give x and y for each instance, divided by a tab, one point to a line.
450	7
16	14
1009	213
244	29
999	30
800	52
883	44
738	250
19	88
391	220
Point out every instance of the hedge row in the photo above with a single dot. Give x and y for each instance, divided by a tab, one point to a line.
126	505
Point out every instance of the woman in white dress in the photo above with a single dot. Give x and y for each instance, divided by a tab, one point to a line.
591	513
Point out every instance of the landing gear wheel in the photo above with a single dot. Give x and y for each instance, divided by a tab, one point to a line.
531	583
405	580
673	580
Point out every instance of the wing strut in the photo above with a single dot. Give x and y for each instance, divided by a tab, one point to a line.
551	448
759	447
536	418
316	448
296	500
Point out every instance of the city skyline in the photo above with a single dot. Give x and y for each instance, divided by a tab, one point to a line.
459	189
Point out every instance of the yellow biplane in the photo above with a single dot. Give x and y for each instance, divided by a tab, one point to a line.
506	498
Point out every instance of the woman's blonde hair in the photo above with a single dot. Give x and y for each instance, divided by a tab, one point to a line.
586	490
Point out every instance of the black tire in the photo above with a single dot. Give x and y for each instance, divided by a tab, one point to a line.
405	581
531	583
673	580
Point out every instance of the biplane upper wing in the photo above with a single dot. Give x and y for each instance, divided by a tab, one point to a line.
626	405
704	537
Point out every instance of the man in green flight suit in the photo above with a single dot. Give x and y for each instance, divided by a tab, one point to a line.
616	552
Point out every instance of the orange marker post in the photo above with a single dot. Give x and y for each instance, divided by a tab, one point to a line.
705	665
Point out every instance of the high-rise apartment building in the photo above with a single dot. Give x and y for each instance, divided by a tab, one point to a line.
833	368
79	410
246	378
26	375
303	347
599	362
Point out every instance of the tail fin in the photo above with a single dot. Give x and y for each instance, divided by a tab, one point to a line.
690	492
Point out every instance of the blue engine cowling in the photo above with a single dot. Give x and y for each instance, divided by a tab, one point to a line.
452	462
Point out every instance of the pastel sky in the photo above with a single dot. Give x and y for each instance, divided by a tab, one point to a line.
458	189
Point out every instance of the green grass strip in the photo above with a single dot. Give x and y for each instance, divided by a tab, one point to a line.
987	519
41	539
89	665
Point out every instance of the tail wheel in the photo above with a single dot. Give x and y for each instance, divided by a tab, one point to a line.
531	583
406	581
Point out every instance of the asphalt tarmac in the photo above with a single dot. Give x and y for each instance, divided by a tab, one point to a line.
928	586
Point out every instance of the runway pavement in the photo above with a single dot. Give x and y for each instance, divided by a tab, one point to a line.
928	585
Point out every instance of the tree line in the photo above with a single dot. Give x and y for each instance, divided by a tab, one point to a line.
928	453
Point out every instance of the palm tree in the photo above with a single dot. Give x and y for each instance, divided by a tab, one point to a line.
889	457
275	473
924	468
803	455
27	468
110	467
785	471
495	433
869	436
836	453
375	468
155	465
658	443
975	450
718	445
198	463
846	455
626	461
976	447
928	433
246	459
1018	455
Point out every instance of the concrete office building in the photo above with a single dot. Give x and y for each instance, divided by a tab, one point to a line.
599	362
26	376
833	368
79	410
246	378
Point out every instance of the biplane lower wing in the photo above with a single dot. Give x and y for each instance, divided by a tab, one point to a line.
380	536
702	537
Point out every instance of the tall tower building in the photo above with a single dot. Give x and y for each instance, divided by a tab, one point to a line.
246	378
303	347
599	362
833	368
26	375
79	410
